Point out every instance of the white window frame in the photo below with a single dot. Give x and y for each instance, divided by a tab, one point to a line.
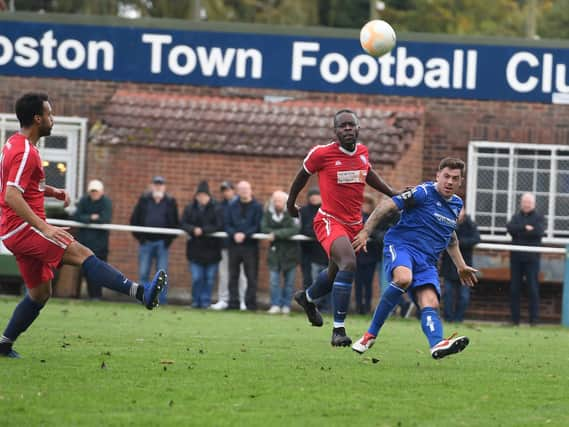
498	234
75	129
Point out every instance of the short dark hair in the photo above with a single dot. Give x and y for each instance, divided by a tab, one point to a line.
452	163
345	110
28	106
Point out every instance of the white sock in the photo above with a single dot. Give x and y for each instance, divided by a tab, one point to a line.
4	339
133	289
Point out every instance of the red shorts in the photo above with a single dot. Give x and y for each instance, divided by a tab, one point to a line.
36	255
328	228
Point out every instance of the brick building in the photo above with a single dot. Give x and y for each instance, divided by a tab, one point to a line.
188	133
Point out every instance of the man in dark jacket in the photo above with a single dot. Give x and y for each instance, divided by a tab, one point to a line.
311	251
456	296
526	228
94	208
155	208
200	218
242	220
313	256
227	196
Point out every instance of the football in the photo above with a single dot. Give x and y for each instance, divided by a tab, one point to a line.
377	37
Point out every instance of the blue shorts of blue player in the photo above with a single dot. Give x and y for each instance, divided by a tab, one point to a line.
407	270
417	273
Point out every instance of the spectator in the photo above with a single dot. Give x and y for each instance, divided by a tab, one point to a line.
283	253
242	220
94	208
526	228
367	261
456	296
228	193
200	218
155	208
313	257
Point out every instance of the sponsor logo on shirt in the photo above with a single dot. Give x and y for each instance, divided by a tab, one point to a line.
445	220
352	177
41	186
338	163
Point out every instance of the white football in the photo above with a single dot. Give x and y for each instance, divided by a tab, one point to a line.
377	37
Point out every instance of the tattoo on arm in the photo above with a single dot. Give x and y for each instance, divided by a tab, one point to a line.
380	212
453	239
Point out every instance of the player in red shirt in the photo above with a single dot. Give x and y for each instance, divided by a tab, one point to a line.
38	246
343	170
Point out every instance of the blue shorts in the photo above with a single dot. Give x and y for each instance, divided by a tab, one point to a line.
424	273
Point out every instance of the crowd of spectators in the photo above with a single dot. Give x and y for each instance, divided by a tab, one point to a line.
232	263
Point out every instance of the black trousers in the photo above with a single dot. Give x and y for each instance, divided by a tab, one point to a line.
364	286
529	269
306	268
249	257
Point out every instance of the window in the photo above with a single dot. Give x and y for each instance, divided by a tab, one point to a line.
499	173
62	153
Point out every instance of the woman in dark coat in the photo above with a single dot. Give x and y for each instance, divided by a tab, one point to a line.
199	219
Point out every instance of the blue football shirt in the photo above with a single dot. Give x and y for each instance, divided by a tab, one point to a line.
427	227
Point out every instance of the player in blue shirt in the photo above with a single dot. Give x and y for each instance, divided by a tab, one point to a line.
411	251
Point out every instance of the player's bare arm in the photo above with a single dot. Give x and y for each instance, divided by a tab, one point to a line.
375	181
57	193
466	273
381	211
15	200
296	187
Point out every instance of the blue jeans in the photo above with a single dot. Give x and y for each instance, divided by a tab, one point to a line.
456	298
203	279
282	296
147	253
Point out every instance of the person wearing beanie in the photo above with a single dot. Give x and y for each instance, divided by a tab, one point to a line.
201	218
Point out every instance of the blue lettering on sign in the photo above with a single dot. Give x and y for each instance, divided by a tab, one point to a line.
283	62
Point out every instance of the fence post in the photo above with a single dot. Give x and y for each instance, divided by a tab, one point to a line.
565	298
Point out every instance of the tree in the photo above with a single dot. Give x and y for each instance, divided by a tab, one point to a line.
554	21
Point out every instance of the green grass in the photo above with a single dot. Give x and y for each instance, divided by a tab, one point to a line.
176	366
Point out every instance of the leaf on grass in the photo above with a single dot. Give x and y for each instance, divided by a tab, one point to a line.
42	361
165	368
166	362
374	360
106	353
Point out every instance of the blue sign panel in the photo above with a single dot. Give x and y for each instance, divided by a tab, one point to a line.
283	62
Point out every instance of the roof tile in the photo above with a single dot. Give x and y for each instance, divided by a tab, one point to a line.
250	126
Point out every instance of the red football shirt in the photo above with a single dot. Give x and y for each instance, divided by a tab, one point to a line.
20	167
341	177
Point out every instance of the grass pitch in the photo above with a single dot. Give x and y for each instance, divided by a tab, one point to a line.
110	364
